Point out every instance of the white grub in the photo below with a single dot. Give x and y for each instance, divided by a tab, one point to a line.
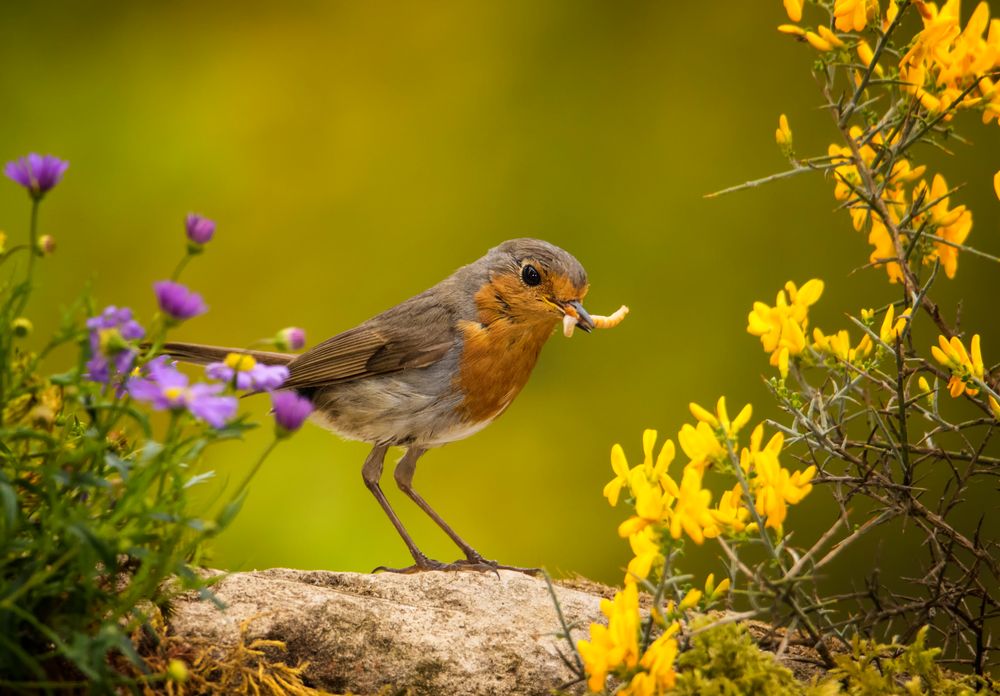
600	321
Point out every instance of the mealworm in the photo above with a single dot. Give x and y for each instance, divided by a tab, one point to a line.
600	322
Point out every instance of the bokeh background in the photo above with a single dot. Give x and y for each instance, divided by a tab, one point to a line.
353	154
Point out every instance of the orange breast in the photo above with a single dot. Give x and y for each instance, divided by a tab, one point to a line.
496	362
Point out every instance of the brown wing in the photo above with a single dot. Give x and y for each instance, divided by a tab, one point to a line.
414	334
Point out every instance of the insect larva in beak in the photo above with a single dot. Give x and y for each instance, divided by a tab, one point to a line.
600	322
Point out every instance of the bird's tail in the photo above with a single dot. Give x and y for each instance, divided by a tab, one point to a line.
201	355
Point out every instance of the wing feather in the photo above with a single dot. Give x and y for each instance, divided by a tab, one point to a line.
414	334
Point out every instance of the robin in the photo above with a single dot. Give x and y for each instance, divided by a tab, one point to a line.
436	368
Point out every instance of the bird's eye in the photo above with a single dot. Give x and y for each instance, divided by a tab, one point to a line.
530	276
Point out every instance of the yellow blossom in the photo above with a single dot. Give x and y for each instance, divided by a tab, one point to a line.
715	591
775	489
646	547
240	362
996	189
850	15
818	42
730	513
952	225
792	29
620	466
966	367
651	503
783	135
994	407
615	645
700	444
652	469
690	600
781	328
720	419
691	512
867	56
794	9
658	674
830	37
867	315
839	345
891	329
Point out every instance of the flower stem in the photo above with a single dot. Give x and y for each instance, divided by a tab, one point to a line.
32	252
256	467
180	267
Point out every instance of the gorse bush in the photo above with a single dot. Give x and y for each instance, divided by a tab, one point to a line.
96	527
893	427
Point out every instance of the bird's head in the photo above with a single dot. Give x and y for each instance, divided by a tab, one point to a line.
532	281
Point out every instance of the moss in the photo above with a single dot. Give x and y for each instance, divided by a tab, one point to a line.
724	661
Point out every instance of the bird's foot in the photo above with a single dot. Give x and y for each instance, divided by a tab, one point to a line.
476	562
473	562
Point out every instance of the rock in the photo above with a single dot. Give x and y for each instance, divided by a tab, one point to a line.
435	633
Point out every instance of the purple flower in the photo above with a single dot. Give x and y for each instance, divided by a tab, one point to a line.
291	338
111	334
166	388
290	411
37	173
199	229
246	373
177	301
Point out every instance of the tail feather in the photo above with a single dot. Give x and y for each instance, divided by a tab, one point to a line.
201	355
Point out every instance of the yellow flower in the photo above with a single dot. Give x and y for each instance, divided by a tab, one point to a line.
658	675
792	29
782	328
891	330
966	367
776	489
713	591
615	645
996	189
620	466
867	56
653	471
818	42
690	600
830	37
720	419
730	513
994	407
651	503
951	224
646	547
794	9
3	236
850	15
839	345
783	135
701	445
691	512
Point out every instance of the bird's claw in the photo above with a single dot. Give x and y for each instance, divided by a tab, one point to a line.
475	563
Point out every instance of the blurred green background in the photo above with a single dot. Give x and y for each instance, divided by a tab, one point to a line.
353	154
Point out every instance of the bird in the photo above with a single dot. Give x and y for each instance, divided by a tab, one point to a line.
436	368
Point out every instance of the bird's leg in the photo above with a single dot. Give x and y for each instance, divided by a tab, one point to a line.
372	472
403	474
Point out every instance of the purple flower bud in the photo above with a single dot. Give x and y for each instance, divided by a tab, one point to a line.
36	173
291	338
177	301
199	229
290	411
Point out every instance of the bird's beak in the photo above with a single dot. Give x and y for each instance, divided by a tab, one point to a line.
575	309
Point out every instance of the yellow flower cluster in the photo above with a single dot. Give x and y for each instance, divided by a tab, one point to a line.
945	60
664	506
966	367
782	328
615	649
774	487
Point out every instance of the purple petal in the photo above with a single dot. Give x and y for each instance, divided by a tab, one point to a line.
290	410
199	229
267	377
177	301
205	405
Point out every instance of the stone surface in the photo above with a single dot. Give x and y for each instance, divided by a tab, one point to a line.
436	633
